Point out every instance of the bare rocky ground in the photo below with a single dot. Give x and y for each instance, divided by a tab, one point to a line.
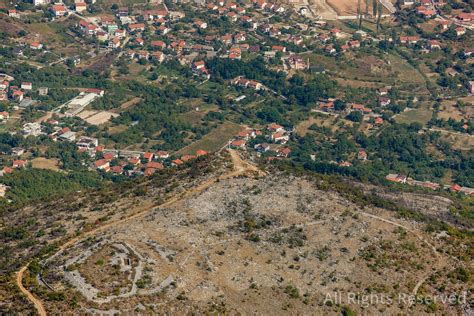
274	245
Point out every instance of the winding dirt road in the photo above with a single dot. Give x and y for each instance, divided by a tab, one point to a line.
38	305
241	167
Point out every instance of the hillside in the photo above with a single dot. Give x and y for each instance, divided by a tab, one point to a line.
241	242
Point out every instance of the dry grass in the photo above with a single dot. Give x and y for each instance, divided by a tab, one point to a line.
213	141
100	117
417	115
130	103
44	163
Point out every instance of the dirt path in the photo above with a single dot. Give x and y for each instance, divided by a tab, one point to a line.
38	305
241	167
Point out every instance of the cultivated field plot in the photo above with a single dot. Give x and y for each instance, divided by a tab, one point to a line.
213	141
414	116
349	7
130	103
44	163
459	141
95	117
449	109
244	244
101	117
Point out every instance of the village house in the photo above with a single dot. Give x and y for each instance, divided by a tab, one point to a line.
345	164
151	15
4	115
239	37
273	127
409	39
326	106
120	33
460	31
384	101
434	44
238	143
297	62
114	43
59	10
354	44
87	142
17	95
383	91
425	12
162	154
122	12
158	44
176	162
163	29
201	152
200	24
158	56
136	27
279	137
18	164
465	17
154	165
362	155
277	48
6	170
226	39
359	107
242	82
199	68
116	169
13	14
399	178
283	152
336	32
262	148
36	46
444	24
80	7
27	86
148	156
102	164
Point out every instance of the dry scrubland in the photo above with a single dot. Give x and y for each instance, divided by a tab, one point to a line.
267	246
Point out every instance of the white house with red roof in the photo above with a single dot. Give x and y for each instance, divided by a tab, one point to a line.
80	7
13	14
36	46
4	115
102	164
59	10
